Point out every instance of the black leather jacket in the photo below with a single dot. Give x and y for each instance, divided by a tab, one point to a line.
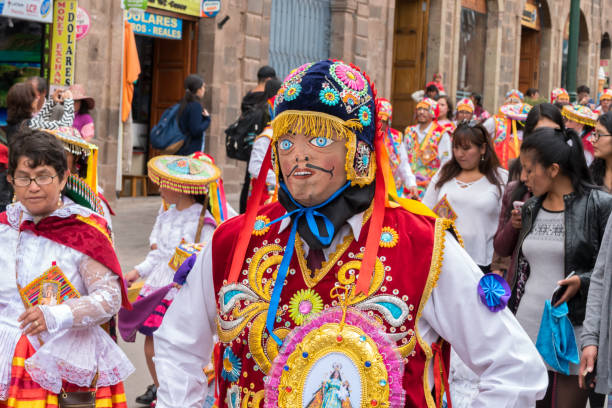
585	222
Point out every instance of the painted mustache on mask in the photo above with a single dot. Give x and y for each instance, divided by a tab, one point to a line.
312	166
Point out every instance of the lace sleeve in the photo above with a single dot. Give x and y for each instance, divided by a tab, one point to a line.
103	299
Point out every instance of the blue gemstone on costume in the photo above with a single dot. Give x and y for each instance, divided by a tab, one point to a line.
368	364
362	338
386	237
305	354
382	383
395	310
259	225
286	368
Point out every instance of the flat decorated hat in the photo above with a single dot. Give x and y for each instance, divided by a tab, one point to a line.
73	141
514	96
606	94
581	114
186	175
466	105
430	105
385	110
516	111
559	94
333	99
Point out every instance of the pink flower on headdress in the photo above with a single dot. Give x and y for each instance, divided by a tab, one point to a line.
350	77
297	71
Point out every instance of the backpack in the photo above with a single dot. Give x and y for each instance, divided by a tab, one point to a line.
240	135
167	135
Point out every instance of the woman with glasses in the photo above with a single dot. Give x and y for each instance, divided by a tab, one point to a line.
61	281
601	139
562	229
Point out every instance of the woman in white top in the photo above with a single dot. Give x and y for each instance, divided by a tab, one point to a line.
469	189
60	281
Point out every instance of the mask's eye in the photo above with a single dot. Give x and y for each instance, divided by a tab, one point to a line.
285	144
321	141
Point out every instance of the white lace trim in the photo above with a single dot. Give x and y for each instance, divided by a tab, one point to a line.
75	356
14	211
9	336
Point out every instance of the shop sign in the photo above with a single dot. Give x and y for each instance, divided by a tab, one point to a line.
211	8
83	23
530	16
135	4
189	7
35	10
155	25
63	42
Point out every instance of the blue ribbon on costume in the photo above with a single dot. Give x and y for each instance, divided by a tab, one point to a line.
393	144
220	204
310	213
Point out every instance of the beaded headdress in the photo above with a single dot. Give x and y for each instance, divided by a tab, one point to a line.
465	104
516	111
581	114
429	105
606	94
385	109
559	94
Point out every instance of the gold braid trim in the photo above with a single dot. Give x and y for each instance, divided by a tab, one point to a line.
572	115
437	257
313	124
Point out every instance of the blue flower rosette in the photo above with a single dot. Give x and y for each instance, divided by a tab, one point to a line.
494	292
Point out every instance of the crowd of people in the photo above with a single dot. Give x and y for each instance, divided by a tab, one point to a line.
462	262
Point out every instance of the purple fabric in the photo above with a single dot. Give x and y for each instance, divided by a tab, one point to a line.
181	273
494	292
131	320
81	120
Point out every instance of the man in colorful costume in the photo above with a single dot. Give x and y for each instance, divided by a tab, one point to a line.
465	110
583	120
427	143
405	182
506	128
323	272
559	96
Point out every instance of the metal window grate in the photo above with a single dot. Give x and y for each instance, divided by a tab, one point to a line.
299	33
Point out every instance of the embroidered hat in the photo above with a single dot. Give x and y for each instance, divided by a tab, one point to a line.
581	114
430	105
385	110
559	94
335	99
466	105
606	94
516	111
183	174
514	96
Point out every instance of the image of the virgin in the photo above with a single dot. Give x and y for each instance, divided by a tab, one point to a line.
48	294
332	382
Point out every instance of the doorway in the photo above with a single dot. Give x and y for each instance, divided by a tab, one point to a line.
164	65
529	69
409	58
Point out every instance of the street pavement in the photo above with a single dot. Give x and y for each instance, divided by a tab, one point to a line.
132	226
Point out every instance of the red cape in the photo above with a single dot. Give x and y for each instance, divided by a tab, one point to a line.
88	235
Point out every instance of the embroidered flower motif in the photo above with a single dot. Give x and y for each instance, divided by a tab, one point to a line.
388	237
304	304
365	116
349	99
292	91
348	76
329	96
260	227
231	366
298	72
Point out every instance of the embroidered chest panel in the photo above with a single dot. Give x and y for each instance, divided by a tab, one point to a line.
248	352
423	156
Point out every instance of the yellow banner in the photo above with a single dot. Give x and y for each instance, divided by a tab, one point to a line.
189	7
63	43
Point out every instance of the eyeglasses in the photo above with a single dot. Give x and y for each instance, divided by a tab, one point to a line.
43	180
594	137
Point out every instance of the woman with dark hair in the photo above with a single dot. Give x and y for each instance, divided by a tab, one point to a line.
83	104
193	118
22	103
506	237
561	233
601	139
445	113
480	113
52	347
473	172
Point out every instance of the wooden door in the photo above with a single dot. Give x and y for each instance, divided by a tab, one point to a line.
409	58
173	60
529	70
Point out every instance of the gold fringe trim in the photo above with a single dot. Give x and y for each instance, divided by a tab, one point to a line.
437	257
314	124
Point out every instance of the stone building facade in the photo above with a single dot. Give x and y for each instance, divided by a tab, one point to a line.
367	33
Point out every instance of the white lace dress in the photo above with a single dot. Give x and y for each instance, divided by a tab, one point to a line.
75	347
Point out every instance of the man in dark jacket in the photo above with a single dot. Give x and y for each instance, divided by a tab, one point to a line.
253	98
